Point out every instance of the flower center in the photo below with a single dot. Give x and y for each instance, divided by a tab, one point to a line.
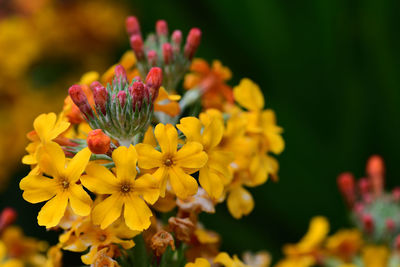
168	162
102	238
125	188
64	183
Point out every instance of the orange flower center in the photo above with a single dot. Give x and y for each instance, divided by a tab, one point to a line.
64	183
168	162
125	188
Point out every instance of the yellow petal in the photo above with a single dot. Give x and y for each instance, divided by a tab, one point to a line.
161	174
89	257
167	138
89	77
213	133
199	262
77	165
183	184
148	187
137	214
80	200
38	188
51	159
149	137
125	162
249	95
149	157
191	128
191	156
240	202
52	212
219	161
211	182
224	259
108	210
43	125
99	179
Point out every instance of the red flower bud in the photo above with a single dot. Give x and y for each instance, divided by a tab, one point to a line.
368	223
152	57
397	243
132	25
122	98
139	92
167	53
376	170
176	41
120	73
79	98
100	95
153	81
347	188
7	217
364	187
98	142
192	42
161	28
390	225
137	46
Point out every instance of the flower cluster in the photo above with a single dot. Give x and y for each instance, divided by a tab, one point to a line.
375	239
132	159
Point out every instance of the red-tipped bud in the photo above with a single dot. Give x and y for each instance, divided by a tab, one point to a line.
100	95
152	57
396	194
154	81
176	40
390	225
397	243
368	223
167	53
122	98
376	170
192	42
79	98
120	73
162	28
346	186
137	78
137	46
132	25
98	142
139	92
364	187
7	217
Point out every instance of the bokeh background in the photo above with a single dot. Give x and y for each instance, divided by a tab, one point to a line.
330	69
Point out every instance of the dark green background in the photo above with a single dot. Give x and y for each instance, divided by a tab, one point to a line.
329	68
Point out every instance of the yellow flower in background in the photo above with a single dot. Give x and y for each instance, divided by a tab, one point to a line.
59	190
171	164
208	131
239	201
126	193
224	259
46	128
375	256
167	103
199	262
344	244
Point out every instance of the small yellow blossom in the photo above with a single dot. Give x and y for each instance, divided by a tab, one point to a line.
199	262
126	193
224	259
60	189
171	164
375	256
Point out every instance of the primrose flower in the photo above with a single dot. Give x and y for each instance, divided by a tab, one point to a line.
171	164
208	131
126	193
59	190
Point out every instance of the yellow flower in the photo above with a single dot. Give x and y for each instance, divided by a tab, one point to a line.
240	202
345	243
375	256
224	259
47	128
124	190
199	262
208	131
306	261
60	189
167	103
171	164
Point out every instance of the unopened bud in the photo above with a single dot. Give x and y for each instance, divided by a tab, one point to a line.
376	170
7	217
139	92
98	142
363	187
368	223
120	74
397	243
132	25
153	81
152	57
137	46
160	241
162	28
347	188
192	42
176	37
122	98
100	96
396	194
390	225
137	78
79	98
167	53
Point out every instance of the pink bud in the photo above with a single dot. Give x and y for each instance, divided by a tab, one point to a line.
122	98
153	81
7	217
161	28
396	194
346	186
167	53
137	78
152	57
176	41
368	223
100	96
98	142
390	225
139	93
364	187
79	98
120	74
376	170
132	25
137	46
192	42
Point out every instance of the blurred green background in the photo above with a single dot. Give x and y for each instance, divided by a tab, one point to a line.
331	71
